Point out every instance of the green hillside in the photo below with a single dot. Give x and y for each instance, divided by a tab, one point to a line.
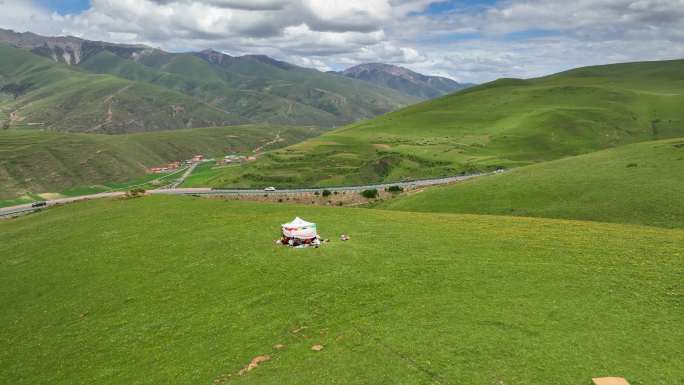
193	76
35	161
506	123
37	92
640	183
249	89
256	88
187	291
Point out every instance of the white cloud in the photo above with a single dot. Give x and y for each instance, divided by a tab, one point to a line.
513	38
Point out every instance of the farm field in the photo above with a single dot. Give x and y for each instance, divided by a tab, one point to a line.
506	123
640	183
38	162
188	291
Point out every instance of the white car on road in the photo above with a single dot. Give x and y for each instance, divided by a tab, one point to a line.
269	189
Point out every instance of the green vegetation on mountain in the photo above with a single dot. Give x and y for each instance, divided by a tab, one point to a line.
505	123
188	291
257	88
36	161
39	93
246	89
640	183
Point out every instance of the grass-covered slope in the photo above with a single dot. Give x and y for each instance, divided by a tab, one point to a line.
193	76
257	88
505	123
34	161
176	290
38	92
640	183
250	88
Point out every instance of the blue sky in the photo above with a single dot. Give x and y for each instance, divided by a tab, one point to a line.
64	7
470	41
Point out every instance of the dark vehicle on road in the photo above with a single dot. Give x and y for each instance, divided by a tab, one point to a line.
39	204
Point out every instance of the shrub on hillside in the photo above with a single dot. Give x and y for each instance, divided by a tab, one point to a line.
134	193
370	193
326	193
394	189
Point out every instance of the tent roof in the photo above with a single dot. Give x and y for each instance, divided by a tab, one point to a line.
298	222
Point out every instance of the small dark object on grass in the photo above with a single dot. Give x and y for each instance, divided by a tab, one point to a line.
631	165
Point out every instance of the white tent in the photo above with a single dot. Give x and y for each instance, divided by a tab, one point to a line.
299	229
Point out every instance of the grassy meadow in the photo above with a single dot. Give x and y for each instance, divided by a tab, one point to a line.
505	123
641	183
164	290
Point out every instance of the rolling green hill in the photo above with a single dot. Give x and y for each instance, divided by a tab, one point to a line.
506	123
35	161
257	88
38	92
250	88
174	290
640	183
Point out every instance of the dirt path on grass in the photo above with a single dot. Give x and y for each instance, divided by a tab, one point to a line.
109	115
274	141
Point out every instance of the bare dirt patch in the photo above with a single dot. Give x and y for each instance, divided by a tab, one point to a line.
49	196
256	361
317	348
610	381
381	146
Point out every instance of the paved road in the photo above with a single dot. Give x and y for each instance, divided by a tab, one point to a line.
17	210
20	209
224	192
183	177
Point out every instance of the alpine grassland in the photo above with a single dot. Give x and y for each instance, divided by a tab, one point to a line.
140	88
640	183
39	93
38	161
506	123
162	290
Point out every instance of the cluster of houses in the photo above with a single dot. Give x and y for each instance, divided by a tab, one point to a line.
233	159
226	160
173	166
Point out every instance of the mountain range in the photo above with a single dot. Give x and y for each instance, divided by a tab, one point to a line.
72	84
404	80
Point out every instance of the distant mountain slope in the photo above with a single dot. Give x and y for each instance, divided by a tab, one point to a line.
253	88
506	123
640	183
38	92
404	80
34	161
